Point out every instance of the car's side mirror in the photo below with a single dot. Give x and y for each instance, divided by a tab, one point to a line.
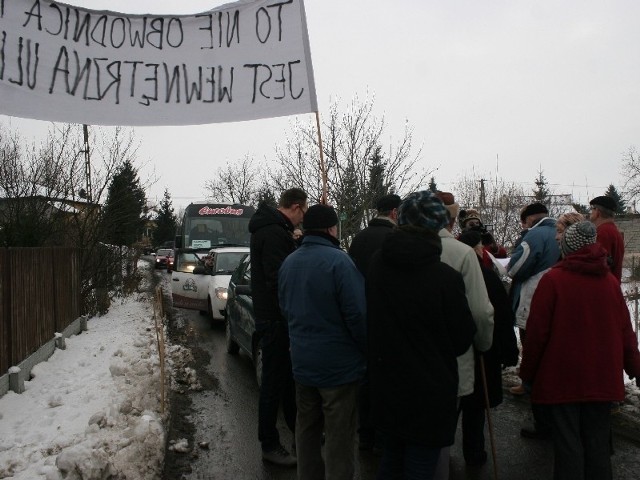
199	270
243	290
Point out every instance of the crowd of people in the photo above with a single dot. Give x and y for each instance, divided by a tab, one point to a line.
386	346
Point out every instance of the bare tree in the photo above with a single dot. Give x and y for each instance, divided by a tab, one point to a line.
499	203
358	166
236	182
631	170
41	188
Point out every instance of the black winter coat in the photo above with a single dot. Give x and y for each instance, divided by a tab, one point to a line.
368	241
419	322
504	349
271	242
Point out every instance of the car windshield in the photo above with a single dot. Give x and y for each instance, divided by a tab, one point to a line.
164	252
227	262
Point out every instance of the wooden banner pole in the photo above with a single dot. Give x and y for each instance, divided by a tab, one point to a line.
322	165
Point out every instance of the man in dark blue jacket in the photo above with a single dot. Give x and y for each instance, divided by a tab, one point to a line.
322	296
271	242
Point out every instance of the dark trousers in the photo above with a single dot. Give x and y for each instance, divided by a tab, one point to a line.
277	386
332	410
366	429
581	440
406	461
473	419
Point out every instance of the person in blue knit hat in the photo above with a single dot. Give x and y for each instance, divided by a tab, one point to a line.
415	336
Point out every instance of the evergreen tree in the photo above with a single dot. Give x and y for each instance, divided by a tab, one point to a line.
166	221
541	193
583	209
613	193
377	187
266	195
124	213
432	185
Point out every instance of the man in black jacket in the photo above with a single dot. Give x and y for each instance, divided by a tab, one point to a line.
362	248
367	241
271	242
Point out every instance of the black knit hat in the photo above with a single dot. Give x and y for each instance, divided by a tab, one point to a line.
388	202
605	201
577	236
533	209
320	216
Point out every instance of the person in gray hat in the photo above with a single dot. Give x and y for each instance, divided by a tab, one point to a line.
322	297
579	320
603	210
416	333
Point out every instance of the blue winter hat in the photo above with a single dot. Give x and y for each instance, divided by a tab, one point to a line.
423	209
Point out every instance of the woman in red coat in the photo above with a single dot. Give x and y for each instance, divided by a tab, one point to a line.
579	339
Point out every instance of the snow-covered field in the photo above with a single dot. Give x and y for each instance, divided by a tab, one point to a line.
92	410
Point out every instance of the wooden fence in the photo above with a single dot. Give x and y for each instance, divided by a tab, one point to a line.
39	296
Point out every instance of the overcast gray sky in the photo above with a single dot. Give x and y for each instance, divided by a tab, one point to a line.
508	86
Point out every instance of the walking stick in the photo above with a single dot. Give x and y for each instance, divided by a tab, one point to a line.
488	409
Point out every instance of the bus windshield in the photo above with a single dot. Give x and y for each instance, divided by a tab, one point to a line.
211	225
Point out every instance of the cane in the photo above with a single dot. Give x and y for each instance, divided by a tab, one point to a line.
488	409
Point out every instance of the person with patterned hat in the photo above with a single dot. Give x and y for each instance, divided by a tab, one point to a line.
602	215
579	339
415	336
470	219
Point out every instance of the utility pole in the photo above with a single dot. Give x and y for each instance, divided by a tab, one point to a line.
87	164
483	197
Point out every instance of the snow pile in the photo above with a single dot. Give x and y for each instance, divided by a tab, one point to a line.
91	411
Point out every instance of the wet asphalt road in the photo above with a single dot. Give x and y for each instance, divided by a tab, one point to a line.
224	415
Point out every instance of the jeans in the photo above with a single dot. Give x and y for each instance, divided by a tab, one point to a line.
581	440
277	386
333	410
406	461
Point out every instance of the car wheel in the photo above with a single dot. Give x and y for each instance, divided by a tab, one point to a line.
257	362
210	310
232	347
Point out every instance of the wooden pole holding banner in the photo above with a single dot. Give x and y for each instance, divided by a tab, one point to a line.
323	169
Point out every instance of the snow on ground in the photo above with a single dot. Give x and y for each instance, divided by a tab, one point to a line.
92	410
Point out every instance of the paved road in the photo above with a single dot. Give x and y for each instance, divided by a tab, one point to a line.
224	414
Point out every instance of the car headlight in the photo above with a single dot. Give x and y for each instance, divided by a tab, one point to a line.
221	293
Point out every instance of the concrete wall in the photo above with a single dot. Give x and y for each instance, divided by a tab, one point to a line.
629	225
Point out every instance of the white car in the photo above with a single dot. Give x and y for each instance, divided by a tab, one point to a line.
197	286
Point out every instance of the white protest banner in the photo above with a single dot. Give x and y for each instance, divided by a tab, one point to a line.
242	61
